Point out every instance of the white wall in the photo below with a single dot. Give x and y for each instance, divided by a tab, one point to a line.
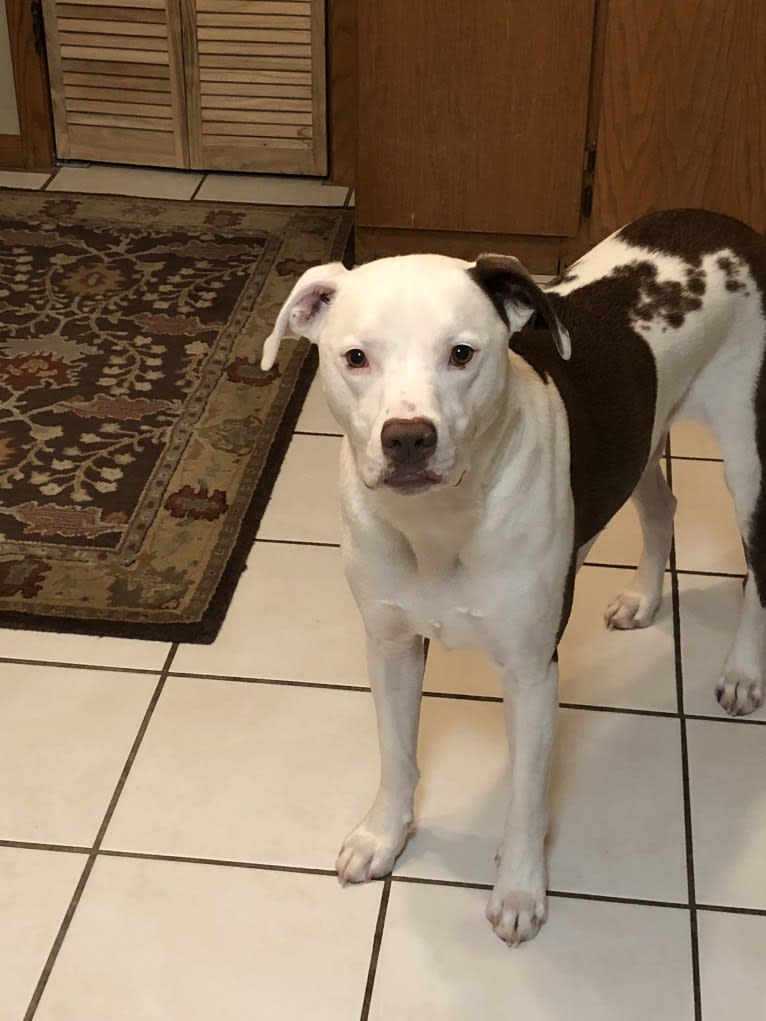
9	120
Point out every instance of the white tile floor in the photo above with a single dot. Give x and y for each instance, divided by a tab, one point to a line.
169	817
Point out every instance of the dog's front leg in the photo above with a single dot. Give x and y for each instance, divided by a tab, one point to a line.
517	906
396	677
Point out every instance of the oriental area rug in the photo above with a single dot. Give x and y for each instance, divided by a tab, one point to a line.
139	439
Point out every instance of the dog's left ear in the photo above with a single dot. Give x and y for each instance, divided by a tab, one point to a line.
304	311
517	297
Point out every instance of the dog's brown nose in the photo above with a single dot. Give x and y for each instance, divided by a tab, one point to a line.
408	442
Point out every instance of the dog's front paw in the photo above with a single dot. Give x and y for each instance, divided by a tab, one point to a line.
516	916
367	855
739	694
631	609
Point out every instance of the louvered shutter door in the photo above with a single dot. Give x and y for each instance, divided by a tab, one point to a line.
255	80
117	90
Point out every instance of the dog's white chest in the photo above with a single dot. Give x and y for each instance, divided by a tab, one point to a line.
443	607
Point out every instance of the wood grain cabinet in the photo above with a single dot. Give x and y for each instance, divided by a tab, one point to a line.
539	126
208	84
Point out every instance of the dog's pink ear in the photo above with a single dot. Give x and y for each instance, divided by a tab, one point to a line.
517	297
304	311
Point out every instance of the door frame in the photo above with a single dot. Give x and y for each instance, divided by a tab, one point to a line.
33	147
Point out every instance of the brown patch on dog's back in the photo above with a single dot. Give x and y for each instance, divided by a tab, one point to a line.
691	234
609	390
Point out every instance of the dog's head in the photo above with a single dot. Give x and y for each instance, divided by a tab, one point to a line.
414	356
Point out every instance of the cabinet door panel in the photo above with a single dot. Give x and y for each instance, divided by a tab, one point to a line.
255	85
472	116
683	111
117	81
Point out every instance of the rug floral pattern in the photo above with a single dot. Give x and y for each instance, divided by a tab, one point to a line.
136	426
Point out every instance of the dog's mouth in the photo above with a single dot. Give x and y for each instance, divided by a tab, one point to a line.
412	482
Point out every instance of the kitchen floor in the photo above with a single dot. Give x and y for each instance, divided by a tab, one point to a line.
170	816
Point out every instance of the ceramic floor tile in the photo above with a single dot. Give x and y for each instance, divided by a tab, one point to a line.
626	669
728	800
50	647
620	542
627	840
22	179
102	179
709	611
315	416
35	891
157	941
249	772
305	505
732	950
592	962
707	536
274	190
292	618
65	735
692	439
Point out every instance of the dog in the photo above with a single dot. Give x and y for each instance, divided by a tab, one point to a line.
492	428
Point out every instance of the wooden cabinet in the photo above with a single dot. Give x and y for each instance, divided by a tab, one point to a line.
682	118
473	115
208	84
539	128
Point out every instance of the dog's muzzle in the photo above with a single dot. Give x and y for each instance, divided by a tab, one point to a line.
408	444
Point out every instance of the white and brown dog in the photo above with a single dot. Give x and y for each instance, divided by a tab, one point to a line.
475	476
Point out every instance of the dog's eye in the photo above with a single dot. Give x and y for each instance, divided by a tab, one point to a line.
356	358
460	355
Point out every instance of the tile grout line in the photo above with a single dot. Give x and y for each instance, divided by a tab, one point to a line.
375	954
321	435
308	870
697	457
194	194
690	878
143	671
93	854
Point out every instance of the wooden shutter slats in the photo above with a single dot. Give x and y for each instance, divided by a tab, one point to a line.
126	56
255	117
100	12
97	88
115	68
225	76
252	102
240	88
270	21
281	36
249	7
110	28
254	62
117	81
155	124
139	109
252	131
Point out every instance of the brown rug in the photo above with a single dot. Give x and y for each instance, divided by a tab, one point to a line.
139	439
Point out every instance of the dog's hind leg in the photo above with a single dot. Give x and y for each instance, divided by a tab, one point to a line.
636	605
396	678
741	688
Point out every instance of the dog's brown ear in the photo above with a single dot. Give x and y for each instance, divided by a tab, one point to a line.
517	297
303	313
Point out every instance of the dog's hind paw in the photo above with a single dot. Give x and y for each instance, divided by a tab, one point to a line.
631	609
738	694
365	855
516	916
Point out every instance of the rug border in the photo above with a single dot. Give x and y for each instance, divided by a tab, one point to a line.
206	629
